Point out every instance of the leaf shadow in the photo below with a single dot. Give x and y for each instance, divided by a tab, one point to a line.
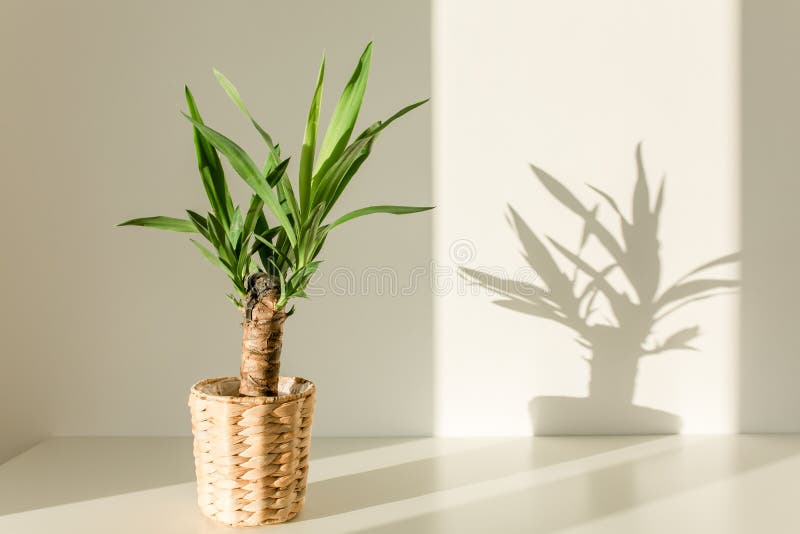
612	309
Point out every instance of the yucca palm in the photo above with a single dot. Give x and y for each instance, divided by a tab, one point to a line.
271	260
614	320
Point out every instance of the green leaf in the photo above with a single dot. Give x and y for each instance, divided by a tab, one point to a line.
272	247
327	181
235	229
394	210
273	160
213	259
299	279
251	219
200	223
291	201
283	298
306	245
310	144
234	95
220	240
246	168
163	223
243	262
356	154
210	168
381	125
344	116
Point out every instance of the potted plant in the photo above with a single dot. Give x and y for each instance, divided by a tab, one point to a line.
252	432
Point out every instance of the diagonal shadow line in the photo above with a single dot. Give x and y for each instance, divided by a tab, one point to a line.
596	494
381	486
79	469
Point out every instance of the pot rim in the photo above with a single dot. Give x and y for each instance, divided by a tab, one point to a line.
197	392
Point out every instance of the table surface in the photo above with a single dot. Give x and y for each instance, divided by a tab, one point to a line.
612	484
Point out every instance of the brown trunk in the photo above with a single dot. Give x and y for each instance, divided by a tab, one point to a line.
262	338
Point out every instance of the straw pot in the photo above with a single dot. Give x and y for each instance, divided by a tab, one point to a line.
251	453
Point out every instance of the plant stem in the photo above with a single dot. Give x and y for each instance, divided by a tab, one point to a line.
262	337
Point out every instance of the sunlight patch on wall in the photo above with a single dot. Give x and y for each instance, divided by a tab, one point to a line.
572	88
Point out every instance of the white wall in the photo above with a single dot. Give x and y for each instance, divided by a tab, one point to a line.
104	328
572	86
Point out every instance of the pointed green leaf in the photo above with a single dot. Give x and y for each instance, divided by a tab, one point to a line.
344	116
235	229
220	240
163	223
200	223
246	168
338	185
394	210
213	259
251	219
326	182
234	95
272	247
310	144
381	125
210	168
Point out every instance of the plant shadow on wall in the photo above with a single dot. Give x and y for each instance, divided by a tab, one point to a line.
613	308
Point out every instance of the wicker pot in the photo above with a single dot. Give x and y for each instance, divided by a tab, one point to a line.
251	453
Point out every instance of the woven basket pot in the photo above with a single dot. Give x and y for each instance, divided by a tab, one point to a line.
251	453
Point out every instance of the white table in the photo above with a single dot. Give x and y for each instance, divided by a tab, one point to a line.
674	484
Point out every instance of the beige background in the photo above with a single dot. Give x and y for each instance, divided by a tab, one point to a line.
769	396
104	328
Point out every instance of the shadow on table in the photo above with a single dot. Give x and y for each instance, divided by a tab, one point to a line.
412	479
69	470
557	503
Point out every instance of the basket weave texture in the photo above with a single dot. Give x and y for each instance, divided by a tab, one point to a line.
251	453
